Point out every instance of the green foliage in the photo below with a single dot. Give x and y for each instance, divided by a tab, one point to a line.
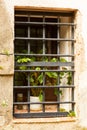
54	60
41	95
62	110
23	68
6	52
57	92
1	68
36	78
63	60
4	103
51	74
24	60
71	113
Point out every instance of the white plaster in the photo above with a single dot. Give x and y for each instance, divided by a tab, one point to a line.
48	3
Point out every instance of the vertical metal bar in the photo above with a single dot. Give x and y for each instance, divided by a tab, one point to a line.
72	45
28	98
72	31
43	59
13	100
28	35
58	51
43	35
58	36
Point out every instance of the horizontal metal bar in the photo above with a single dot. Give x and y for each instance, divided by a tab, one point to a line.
43	64
45	39
45	103
56	86
44	23
36	55
40	114
45	70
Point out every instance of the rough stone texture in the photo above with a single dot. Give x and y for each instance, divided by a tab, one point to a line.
46	126
6	83
52	126
6	39
6	64
83	99
6	28
2	120
7	61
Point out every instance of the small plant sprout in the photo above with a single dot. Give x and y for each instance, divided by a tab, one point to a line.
71	113
6	52
4	103
1	68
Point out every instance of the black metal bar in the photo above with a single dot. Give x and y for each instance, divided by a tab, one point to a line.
44	46
52	55
58	52
46	103
27	71
57	86
46	39
72	48
41	115
42	64
44	70
44	23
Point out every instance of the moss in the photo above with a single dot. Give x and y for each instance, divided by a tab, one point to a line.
1	68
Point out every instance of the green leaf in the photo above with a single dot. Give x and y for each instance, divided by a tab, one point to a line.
37	68
49	74
63	60
40	78
31	80
54	60
41	96
24	60
71	113
52	74
57	92
23	68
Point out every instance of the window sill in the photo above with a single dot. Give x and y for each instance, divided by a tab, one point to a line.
44	120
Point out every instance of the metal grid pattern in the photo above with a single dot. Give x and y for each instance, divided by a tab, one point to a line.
37	47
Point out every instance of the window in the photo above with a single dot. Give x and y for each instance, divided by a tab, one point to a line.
44	64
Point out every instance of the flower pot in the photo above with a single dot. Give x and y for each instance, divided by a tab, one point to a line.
35	106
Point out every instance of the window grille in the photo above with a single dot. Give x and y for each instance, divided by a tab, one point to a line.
44	64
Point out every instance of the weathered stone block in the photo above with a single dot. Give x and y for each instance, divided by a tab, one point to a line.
6	64
2	120
6	28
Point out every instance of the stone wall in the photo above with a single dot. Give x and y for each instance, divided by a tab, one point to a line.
7	65
6	61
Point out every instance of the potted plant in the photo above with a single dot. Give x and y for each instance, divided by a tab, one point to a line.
36	78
